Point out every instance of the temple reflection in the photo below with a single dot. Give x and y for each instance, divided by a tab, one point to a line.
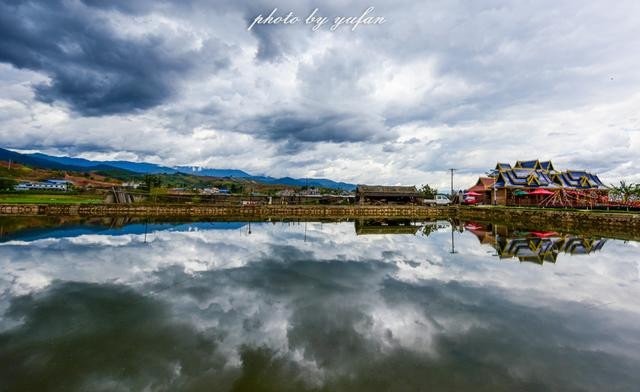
532	245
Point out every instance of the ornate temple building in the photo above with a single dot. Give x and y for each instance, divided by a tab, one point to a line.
538	183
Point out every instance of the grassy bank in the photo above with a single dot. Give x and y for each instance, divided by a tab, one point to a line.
49	199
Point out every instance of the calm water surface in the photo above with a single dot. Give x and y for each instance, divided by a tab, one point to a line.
367	306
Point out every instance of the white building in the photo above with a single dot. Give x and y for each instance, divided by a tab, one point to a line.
131	184
51	185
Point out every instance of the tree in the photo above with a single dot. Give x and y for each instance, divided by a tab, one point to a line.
151	181
236	188
625	191
427	192
7	184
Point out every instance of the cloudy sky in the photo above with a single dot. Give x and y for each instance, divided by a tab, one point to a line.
440	84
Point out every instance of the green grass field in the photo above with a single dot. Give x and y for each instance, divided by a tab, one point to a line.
50	199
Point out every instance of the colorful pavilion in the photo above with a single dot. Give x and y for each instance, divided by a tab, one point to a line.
538	183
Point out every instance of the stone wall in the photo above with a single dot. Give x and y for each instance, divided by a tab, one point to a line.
224	211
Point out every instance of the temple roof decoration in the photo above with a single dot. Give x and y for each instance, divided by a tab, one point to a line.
537	174
503	166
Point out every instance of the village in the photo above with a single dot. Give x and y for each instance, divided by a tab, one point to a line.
527	183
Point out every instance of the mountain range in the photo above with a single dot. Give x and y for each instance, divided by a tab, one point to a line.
85	165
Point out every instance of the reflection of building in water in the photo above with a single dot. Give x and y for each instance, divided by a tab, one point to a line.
394	226
378	226
533	246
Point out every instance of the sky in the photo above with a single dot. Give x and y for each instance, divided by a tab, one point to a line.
438	85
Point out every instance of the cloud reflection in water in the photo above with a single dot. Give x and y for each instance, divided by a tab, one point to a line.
295	308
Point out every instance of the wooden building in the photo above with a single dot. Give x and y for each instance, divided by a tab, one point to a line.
484	187
538	183
378	194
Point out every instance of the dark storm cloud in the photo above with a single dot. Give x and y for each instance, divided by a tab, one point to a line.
307	126
136	7
276	41
91	68
272	42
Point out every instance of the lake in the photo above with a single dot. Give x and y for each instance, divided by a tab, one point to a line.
132	305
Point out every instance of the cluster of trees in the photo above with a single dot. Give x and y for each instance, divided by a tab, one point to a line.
625	192
427	192
152	182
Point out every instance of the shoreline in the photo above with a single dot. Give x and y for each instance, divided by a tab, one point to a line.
505	214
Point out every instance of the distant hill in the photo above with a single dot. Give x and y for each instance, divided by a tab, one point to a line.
137	167
39	162
84	165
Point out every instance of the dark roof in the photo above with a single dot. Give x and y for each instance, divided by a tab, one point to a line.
528	178
578	179
380	190
542	174
534	164
546	165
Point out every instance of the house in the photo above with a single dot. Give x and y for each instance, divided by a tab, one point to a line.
539	183
131	184
309	192
50	185
386	194
209	191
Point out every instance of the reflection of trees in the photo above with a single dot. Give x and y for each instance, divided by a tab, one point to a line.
530	245
384	226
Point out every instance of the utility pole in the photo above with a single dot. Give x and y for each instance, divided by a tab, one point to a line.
9	164
452	170
453	243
